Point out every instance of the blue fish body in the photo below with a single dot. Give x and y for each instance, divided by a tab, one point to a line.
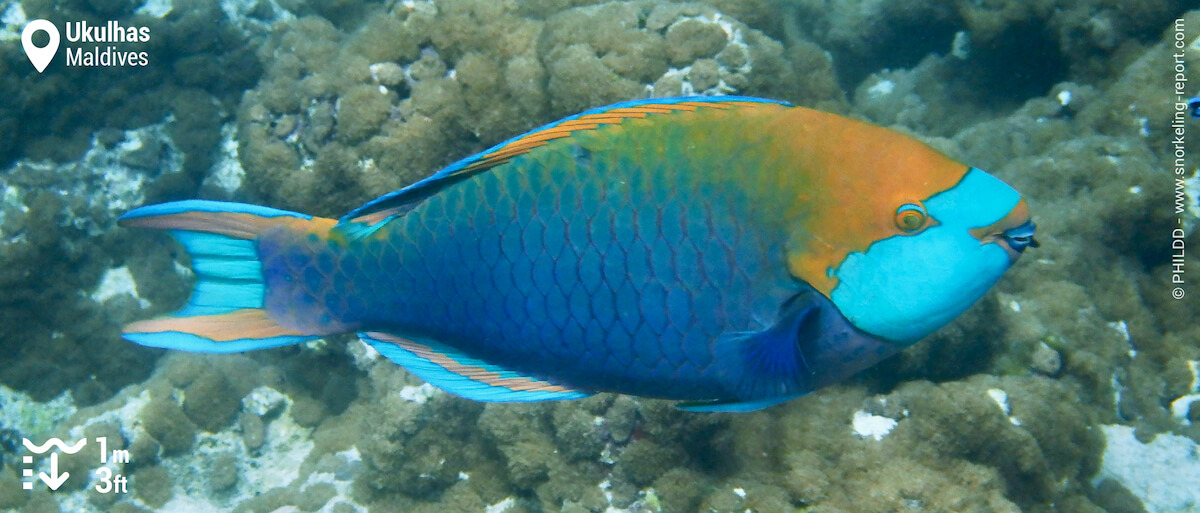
659	248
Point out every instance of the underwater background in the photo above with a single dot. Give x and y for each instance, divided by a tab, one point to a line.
1073	386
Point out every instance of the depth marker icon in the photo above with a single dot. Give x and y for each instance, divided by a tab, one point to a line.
53	479
27	472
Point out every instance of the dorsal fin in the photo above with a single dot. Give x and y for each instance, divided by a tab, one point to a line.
396	203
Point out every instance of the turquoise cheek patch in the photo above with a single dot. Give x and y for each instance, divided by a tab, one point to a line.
905	287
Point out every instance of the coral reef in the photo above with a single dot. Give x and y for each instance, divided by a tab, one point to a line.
78	146
1034	400
423	84
1002	51
56	219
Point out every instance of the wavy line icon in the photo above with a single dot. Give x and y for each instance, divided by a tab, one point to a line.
55	442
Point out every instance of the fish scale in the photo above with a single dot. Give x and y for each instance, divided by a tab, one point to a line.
464	255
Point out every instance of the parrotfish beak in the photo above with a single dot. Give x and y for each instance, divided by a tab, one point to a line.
1021	237
1014	232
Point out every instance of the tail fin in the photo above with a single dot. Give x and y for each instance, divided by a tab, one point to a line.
225	313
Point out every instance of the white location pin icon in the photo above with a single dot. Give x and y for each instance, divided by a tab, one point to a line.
40	57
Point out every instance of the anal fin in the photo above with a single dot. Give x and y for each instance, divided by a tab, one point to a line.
734	406
455	372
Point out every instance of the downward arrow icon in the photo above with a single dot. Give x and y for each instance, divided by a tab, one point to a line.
54	480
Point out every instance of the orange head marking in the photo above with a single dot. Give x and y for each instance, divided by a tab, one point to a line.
864	183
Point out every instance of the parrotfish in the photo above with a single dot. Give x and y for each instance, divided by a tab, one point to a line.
730	253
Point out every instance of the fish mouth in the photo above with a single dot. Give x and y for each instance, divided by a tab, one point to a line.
1014	232
1021	237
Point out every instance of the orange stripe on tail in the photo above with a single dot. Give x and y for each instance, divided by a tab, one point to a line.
235	325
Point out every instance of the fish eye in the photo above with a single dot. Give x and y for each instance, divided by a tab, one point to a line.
911	217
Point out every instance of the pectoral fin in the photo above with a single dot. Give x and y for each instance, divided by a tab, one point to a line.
771	364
